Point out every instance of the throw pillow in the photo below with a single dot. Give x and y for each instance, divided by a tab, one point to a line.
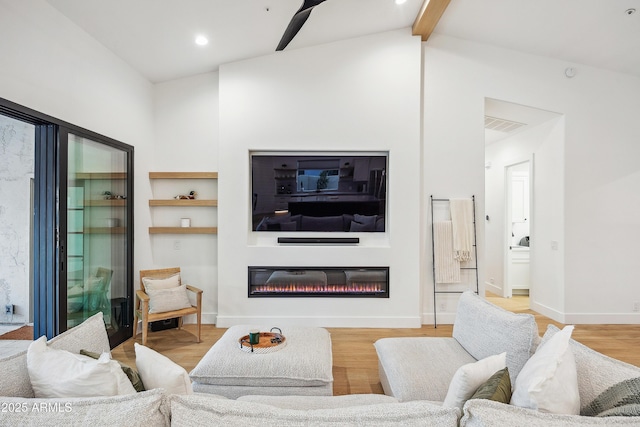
630	410
162	300
622	396
496	388
356	227
158	371
169	282
469	377
548	382
366	219
59	373
131	373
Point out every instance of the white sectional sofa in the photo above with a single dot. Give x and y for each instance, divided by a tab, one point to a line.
415	374
422	368
156	407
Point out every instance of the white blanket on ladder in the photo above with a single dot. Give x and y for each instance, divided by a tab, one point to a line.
447	268
462	221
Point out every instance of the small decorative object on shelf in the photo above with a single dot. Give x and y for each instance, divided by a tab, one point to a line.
192	195
108	195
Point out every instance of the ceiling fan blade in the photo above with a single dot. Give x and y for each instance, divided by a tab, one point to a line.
297	21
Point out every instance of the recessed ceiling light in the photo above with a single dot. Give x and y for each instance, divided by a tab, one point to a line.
630	11
401	1
201	40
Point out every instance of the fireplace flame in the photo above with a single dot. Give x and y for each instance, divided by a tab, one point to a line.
360	288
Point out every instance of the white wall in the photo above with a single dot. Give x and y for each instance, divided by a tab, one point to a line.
52	66
358	94
186	124
597	240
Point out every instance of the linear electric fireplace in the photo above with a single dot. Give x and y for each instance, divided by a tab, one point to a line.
366	282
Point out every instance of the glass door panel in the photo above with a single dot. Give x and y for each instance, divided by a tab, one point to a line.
97	246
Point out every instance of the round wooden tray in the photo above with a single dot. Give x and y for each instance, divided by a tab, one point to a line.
269	342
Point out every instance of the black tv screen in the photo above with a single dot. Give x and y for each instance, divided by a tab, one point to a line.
332	192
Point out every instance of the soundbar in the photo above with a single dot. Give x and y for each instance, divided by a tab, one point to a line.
319	240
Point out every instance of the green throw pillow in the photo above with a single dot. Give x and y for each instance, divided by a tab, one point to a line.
497	388
130	372
622	399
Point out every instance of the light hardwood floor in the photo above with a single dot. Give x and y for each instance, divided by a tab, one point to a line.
355	364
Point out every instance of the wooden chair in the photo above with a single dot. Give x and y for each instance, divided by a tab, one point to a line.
141	310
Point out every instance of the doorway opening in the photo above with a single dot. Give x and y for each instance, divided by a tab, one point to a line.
17	163
523	180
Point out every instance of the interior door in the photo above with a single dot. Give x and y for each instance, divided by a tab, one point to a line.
518	220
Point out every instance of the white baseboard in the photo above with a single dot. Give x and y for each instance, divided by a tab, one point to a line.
552	313
207	318
602	318
325	322
493	288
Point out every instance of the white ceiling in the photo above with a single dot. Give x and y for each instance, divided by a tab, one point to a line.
524	116
156	36
592	32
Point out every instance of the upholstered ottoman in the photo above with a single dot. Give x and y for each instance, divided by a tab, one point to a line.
302	365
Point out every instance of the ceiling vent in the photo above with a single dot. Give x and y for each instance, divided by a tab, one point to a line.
501	125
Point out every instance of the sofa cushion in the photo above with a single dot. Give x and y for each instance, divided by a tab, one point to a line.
469	377
274	223
14	380
484	329
485	413
321	223
60	373
149	408
548	382
419	368
89	335
198	410
596	372
319	402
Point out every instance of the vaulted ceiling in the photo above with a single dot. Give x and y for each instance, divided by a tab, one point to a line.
156	37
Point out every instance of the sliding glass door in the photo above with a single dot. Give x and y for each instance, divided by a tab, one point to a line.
98	242
82	246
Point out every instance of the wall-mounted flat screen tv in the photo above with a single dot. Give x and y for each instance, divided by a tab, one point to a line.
331	192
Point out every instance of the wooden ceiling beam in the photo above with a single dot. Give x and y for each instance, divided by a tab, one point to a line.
428	17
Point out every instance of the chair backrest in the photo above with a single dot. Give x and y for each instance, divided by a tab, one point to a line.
161	273
106	274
